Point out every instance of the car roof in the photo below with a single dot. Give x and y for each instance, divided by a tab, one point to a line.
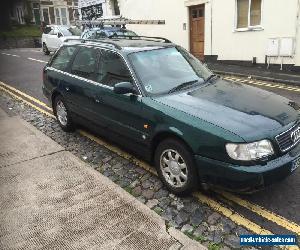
123	44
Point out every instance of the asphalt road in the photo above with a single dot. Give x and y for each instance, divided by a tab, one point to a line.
22	69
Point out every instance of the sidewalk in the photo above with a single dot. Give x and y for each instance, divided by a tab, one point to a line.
50	199
257	72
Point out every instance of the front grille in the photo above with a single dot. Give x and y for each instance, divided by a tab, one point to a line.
289	138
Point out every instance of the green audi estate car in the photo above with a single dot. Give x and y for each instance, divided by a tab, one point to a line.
158	101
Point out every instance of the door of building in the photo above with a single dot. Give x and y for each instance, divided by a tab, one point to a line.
197	17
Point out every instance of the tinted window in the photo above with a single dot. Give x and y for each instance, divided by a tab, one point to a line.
47	30
63	57
84	63
70	31
100	34
161	70
112	69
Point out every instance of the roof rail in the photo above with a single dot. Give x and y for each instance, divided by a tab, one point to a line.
95	40
147	38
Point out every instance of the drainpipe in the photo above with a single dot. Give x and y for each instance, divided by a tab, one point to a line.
297	25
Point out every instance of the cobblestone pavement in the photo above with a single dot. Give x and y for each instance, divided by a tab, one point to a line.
197	220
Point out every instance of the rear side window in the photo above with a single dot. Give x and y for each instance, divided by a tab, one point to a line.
63	57
112	69
85	63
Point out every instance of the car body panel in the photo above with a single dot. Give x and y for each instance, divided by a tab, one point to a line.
205	117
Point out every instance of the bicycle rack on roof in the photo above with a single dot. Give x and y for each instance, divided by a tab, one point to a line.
147	38
117	20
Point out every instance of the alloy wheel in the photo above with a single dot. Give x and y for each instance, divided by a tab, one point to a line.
174	168
61	113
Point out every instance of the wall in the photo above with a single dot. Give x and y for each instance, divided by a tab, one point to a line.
173	12
278	20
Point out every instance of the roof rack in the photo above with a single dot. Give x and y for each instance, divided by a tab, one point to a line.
118	20
95	40
147	38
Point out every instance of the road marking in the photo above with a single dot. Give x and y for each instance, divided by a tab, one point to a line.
10	54
235	217
25	95
260	83
279	220
27	102
36	60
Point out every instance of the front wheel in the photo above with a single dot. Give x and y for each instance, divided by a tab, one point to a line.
175	166
62	114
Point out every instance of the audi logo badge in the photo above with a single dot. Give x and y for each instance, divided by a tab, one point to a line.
295	135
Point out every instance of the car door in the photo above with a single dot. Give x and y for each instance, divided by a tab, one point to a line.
122	113
52	39
81	85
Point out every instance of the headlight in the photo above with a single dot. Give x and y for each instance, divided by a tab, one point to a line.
249	151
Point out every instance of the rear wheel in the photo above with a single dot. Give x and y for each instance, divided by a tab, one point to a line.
175	166
45	49
62	114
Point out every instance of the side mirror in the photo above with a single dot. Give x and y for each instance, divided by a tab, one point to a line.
59	35
124	88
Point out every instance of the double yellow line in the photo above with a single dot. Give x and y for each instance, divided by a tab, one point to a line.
261	83
235	217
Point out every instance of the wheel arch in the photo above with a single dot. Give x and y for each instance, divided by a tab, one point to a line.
54	94
164	135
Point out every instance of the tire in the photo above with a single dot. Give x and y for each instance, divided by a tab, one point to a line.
45	49
171	148
62	114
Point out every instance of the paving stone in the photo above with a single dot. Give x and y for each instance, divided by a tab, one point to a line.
181	217
148	194
163	202
232	241
152	203
169	213
213	218
240	231
199	231
161	193
137	191
187	229
196	217
224	248
147	184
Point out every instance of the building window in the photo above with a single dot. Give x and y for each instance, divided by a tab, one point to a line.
248	13
61	16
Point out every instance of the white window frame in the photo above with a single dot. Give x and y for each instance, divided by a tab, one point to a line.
60	16
46	7
249	27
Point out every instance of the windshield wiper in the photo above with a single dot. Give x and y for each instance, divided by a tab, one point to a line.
182	86
209	78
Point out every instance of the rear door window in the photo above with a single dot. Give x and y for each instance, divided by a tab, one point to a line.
85	63
112	69
63	57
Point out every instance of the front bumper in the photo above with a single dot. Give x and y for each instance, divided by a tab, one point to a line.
246	178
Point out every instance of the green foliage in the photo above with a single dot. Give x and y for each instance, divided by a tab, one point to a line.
22	31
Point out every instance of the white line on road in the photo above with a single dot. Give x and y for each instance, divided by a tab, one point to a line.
37	60
9	54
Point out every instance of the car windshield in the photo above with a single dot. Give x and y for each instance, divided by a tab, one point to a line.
163	70
121	33
70	31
